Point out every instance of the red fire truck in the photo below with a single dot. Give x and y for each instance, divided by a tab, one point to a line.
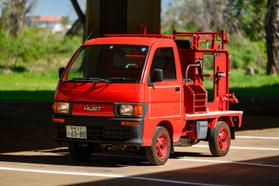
149	91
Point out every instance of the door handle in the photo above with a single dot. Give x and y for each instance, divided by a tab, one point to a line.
177	89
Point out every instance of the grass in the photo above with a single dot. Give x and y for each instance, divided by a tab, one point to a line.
40	87
13	96
28	81
239	80
28	87
254	87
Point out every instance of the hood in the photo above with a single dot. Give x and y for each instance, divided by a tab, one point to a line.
98	100
101	92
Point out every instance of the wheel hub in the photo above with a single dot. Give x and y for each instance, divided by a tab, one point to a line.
162	146
223	139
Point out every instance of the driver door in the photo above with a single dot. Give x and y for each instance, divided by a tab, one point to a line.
165	97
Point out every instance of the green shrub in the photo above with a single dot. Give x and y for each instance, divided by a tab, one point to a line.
247	54
35	47
38	49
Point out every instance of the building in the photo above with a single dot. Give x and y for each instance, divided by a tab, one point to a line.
55	23
121	16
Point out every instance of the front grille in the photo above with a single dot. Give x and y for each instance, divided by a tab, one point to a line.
104	133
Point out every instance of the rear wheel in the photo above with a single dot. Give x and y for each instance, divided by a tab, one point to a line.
219	139
82	151
159	152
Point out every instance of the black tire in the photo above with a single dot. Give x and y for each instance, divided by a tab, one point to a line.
159	152
82	151
219	139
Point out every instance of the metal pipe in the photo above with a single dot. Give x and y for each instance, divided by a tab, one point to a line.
187	69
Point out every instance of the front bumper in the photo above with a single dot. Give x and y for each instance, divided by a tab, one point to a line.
102	130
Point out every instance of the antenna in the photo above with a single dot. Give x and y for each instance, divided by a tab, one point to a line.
89	36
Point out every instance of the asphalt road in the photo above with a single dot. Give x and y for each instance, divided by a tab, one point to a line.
29	156
252	160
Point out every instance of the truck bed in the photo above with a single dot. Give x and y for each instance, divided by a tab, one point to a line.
213	114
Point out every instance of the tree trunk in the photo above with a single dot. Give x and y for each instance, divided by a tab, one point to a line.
272	37
13	15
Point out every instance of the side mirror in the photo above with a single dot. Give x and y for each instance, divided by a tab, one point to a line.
60	71
157	75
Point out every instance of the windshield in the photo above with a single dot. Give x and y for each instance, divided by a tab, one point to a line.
108	63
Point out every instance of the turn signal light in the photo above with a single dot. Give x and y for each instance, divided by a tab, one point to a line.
129	123
138	110
58	120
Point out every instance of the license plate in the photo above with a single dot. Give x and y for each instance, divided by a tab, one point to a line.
78	132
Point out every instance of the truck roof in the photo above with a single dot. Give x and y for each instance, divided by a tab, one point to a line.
147	41
215	41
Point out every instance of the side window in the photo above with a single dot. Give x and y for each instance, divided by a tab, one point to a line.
164	59
208	82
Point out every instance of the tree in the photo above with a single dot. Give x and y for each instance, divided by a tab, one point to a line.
247	16
244	17
13	15
272	37
78	28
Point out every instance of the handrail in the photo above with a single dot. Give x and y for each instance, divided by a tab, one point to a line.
197	37
140	35
187	70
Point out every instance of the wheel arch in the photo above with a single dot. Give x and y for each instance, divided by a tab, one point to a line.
159	152
168	125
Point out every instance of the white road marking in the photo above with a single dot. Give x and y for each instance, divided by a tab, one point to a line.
229	162
242	148
198	160
258	137
91	174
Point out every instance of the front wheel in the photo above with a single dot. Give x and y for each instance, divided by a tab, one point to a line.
159	152
219	139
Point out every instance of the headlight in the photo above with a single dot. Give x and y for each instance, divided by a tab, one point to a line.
126	110
130	110
61	108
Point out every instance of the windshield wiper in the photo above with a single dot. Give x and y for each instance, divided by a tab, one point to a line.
97	80
108	80
92	79
122	79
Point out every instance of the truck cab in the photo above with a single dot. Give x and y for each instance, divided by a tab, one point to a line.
147	90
